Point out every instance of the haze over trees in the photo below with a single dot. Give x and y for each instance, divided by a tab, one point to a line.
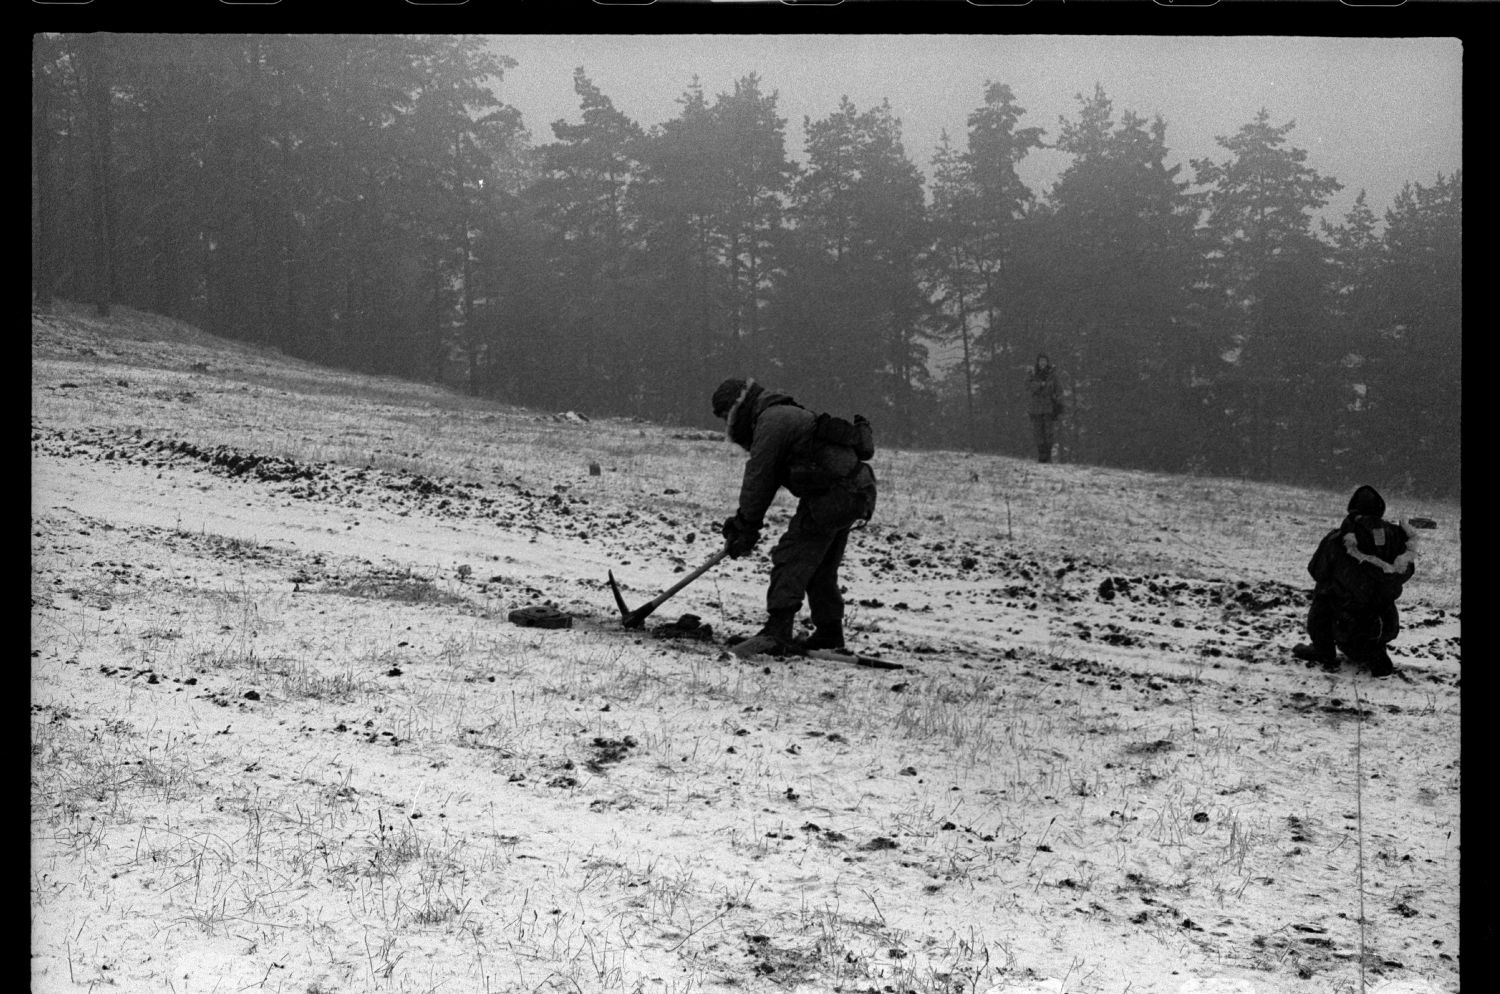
367	201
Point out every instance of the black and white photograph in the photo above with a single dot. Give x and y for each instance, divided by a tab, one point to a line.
746	513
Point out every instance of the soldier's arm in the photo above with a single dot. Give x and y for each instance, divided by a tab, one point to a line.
1407	561
759	486
1351	548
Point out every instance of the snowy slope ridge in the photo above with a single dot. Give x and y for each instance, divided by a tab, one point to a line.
283	735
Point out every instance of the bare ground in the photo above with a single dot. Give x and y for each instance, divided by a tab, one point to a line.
284	738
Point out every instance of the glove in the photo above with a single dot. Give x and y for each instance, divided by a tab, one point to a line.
739	536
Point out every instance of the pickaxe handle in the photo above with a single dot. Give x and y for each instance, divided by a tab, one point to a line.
634	619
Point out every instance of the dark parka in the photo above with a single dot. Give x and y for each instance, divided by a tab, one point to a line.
834	490
1043	405
778	434
1044	395
772	428
1359	569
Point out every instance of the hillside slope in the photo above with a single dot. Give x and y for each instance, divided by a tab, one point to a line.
282	733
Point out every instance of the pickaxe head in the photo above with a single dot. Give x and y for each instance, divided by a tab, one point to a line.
628	618
636	618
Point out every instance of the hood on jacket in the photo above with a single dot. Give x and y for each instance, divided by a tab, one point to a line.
740	414
1367	501
739	420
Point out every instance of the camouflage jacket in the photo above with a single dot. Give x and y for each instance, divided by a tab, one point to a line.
1043	394
781	433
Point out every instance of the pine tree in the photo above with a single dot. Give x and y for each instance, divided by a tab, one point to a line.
1416	378
582	193
1356	315
851	306
1270	272
952	270
711	204
1110	285
996	144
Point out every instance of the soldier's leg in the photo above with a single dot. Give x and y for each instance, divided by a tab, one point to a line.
1320	617
1040	435
1390	621
1377	656
825	601
1366	646
795	560
1357	631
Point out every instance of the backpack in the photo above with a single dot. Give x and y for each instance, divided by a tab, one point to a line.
1383	540
856	434
837	456
1355	583
1378	537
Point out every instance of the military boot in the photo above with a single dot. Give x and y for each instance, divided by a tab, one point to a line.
825	636
1315	654
778	626
774	637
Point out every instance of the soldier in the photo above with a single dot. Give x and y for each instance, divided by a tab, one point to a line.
821	461
1044	405
1359	569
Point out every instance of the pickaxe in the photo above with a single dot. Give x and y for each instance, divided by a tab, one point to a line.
634	619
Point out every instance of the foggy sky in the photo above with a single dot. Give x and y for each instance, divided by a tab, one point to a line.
1371	112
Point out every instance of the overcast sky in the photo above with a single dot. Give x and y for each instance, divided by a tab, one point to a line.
1371	112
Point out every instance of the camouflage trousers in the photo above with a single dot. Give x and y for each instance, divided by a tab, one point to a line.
1041	431
1360	630
805	562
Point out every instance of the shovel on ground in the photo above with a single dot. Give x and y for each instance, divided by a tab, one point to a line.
636	618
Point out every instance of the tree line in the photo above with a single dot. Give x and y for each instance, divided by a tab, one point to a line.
368	201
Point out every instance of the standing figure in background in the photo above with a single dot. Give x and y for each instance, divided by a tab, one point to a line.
1044	405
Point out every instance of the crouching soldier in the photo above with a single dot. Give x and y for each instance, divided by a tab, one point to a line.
1359	569
822	462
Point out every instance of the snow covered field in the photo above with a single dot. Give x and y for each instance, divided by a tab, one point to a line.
284	738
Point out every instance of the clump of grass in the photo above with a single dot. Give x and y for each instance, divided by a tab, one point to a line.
235	658
217	544
406	587
308	683
941	712
70	777
393	846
